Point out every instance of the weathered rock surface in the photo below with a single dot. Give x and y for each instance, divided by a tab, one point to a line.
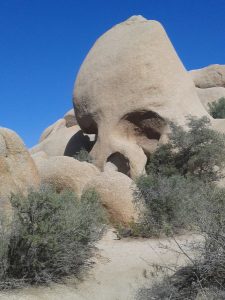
39	156
56	142
79	141
130	83
61	123
115	189
70	118
219	125
64	137
64	172
211	76
210	95
116	192
18	172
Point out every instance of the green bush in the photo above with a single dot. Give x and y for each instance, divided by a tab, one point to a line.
199	151
51	236
180	193
83	155
169	202
217	108
177	173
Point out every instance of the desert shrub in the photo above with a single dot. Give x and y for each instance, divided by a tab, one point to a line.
177	175
217	108
204	276
199	151
4	242
179	192
51	236
169	202
83	155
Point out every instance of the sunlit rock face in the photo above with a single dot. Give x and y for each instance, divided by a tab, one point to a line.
18	172
208	77
130	83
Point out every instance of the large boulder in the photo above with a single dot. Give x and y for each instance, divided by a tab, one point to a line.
64	172
18	172
130	83
115	189
61	123
64	137
55	143
68	120
211	76
116	193
210	95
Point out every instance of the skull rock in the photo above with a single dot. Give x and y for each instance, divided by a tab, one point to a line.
130	83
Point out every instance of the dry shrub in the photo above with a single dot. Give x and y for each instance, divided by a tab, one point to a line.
51	236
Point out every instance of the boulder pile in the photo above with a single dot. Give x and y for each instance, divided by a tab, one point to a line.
129	85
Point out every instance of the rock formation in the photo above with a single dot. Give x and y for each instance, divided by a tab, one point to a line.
210	83
63	172
61	123
130	83
55	139
116	193
18	172
64	137
210	95
211	76
70	118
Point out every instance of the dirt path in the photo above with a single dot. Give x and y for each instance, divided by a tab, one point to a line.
122	266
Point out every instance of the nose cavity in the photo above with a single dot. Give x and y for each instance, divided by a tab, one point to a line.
121	163
128	159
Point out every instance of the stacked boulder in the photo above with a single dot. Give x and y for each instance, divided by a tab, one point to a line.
210	83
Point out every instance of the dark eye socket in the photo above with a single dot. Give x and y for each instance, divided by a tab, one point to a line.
148	123
87	123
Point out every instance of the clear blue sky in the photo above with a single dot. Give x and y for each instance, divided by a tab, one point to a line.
43	43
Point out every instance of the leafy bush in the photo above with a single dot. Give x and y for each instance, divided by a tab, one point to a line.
217	108
51	236
83	155
199	152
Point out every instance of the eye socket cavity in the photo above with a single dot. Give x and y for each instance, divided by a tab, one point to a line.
147	123
87	123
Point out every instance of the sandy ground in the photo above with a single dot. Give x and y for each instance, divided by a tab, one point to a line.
121	267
